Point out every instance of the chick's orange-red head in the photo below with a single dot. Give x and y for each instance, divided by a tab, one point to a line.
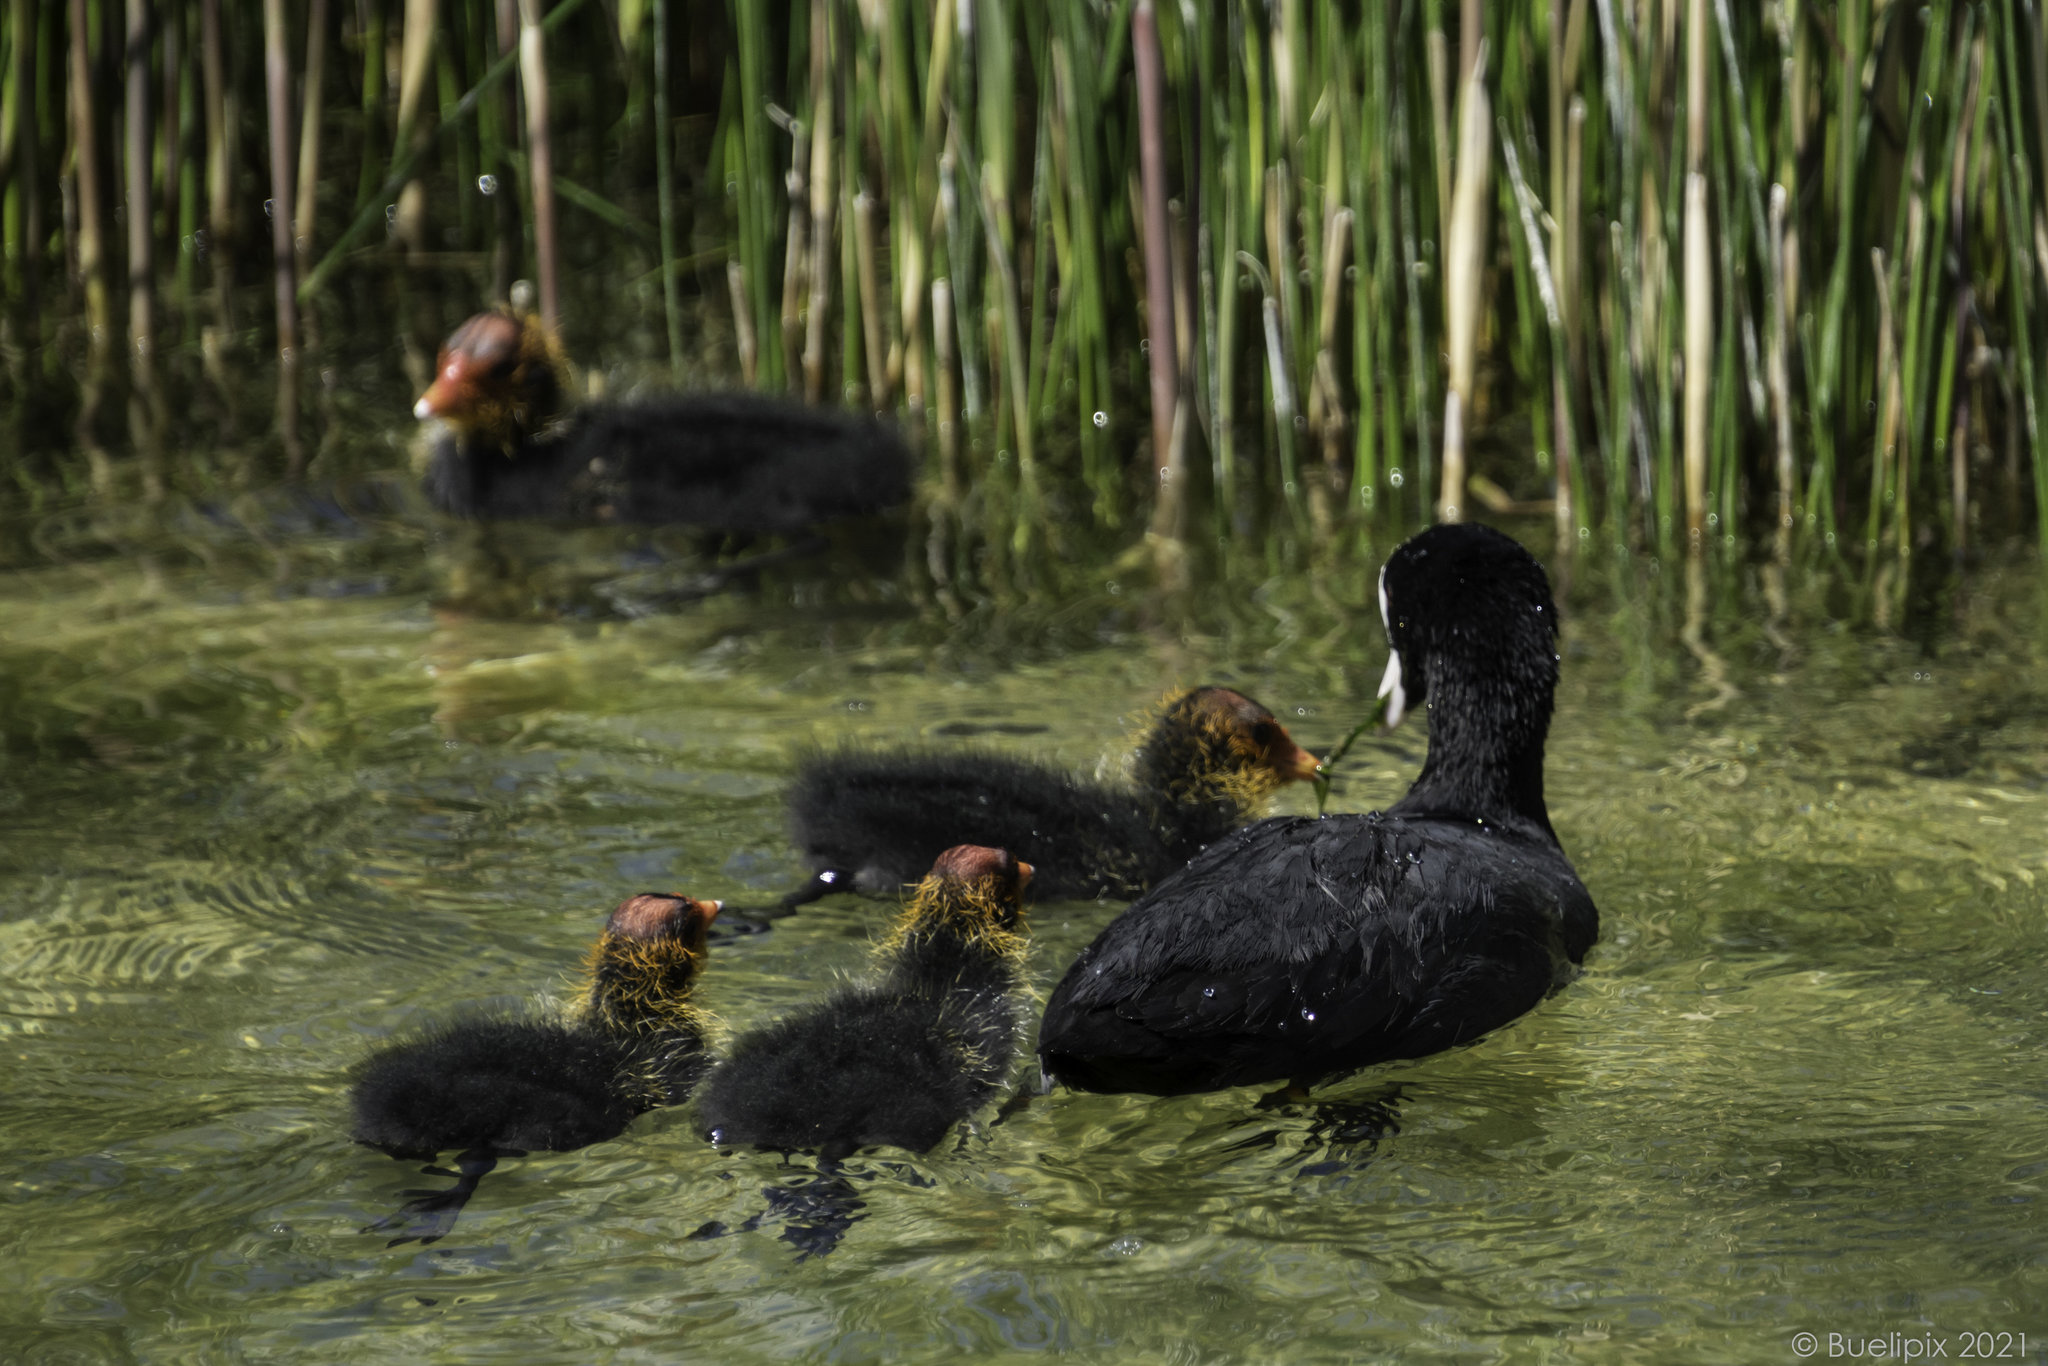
653	916
1254	731
973	862
496	374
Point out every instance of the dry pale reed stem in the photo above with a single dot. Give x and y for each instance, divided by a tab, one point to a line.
742	321
1780	376
277	74
533	73
1159	324
796	254
948	417
416	56
1699	358
824	202
871	313
144	408
1887	460
1464	279
1329	405
1546	290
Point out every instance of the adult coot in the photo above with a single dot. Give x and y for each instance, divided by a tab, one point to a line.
733	463
901	1059
1298	948
497	1087
872	821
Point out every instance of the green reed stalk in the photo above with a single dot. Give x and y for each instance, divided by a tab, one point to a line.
448	93
2015	184
369	175
88	174
665	190
1042	346
145	400
754	186
277	81
1922	223
410	152
24	208
305	197
1422	472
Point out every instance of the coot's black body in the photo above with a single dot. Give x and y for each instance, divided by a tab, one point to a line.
901	1059
734	463
1299	948
493	1087
872	821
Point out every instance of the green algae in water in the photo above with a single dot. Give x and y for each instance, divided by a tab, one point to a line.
250	833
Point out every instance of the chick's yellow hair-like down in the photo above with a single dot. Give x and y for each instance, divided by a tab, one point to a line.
971	911
634	985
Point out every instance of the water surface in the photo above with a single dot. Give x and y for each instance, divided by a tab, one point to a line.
265	804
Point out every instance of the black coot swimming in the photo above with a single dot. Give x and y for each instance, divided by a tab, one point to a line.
1299	948
735	463
872	821
902	1058
492	1087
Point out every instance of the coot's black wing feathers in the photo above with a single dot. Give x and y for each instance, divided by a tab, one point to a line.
1299	947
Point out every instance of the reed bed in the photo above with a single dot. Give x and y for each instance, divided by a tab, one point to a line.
1689	276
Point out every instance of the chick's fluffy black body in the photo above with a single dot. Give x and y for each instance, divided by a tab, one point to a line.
1298	948
894	1061
737	463
489	1086
516	1085
885	814
1204	770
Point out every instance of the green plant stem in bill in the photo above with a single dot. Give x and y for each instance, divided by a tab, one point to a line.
1328	766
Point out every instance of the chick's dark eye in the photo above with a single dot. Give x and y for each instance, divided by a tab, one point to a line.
1265	733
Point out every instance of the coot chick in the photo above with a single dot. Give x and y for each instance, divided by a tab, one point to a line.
900	1059
1299	948
734	463
873	821
500	1087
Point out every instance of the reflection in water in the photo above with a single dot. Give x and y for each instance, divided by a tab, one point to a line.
1713	669
268	808
813	1212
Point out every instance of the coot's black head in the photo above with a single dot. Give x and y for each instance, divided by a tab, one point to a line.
1217	743
972	892
498	375
1473	632
646	961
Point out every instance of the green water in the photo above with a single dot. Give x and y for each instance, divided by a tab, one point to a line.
265	806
